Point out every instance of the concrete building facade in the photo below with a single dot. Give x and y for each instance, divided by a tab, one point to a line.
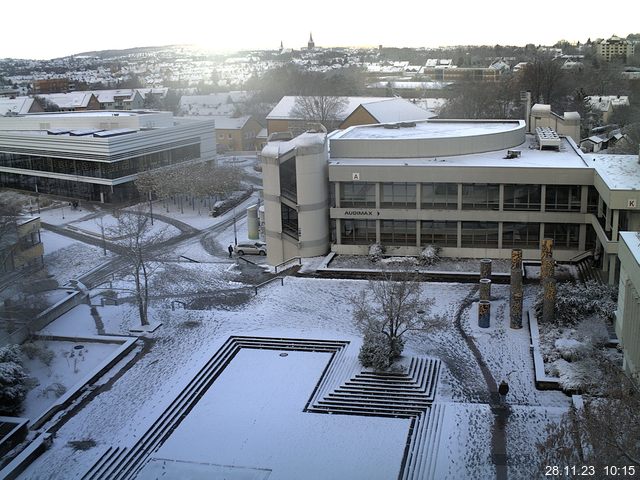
474	188
97	155
628	313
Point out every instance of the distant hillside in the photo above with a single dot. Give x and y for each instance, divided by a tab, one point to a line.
126	51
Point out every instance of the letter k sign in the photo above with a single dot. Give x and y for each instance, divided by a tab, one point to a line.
632	203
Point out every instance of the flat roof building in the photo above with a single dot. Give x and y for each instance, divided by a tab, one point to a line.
97	155
474	188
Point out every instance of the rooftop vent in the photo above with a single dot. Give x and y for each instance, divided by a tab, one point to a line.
513	154
547	138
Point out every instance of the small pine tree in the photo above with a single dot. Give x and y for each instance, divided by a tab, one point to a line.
12	380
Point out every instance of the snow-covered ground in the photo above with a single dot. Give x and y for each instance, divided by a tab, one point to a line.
94	226
70	363
311	308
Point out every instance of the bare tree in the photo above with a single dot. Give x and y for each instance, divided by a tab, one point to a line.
603	433
543	77
9	211
325	109
384	312
136	240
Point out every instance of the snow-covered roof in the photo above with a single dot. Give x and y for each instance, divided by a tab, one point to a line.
229	123
69	100
620	172
109	96
603	102
632	239
530	157
383	109
396	110
432	129
262	133
18	105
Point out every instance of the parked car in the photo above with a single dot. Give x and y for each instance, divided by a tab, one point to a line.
251	248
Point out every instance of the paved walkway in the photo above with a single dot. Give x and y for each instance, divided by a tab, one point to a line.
501	412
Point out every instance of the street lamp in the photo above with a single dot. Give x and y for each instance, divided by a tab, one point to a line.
150	208
235	231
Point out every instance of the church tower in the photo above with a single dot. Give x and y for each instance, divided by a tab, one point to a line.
310	44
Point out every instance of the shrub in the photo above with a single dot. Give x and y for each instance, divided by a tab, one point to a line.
576	301
430	255
57	389
374	352
12	380
376	251
33	350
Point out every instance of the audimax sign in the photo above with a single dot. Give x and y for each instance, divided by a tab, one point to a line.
361	213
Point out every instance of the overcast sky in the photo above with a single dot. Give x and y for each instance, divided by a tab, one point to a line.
59	29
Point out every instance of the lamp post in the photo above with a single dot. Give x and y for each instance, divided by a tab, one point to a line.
235	231
150	208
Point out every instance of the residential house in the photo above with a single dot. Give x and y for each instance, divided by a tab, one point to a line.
20	243
19	105
72	102
237	134
356	111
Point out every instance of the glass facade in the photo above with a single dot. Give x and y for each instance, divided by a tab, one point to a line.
439	196
398	195
562	198
520	235
110	170
288	180
480	234
289	221
480	196
522	197
398	232
358	232
441	233
358	194
565	236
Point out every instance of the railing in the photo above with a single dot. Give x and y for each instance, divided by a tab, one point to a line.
256	287
299	259
581	256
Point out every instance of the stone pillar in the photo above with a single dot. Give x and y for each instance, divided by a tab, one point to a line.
549	300
485	268
484	313
485	289
515	310
547	264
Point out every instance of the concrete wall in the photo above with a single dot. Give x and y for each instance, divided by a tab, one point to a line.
628	313
567	125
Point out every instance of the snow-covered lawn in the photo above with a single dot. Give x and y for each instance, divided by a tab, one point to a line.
94	226
69	364
70	259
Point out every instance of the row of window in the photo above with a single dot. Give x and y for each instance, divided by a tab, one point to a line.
111	170
473	234
475	196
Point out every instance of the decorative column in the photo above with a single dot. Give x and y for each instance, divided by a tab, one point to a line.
485	268
515	310
485	289
484	313
549	300
547	267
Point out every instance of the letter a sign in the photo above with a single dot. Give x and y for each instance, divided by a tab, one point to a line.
355	176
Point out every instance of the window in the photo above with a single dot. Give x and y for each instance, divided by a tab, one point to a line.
480	234
565	236
357	194
358	232
480	196
592	200
562	198
288	180
439	196
520	235
289	221
443	234
398	195
398	232
522	197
